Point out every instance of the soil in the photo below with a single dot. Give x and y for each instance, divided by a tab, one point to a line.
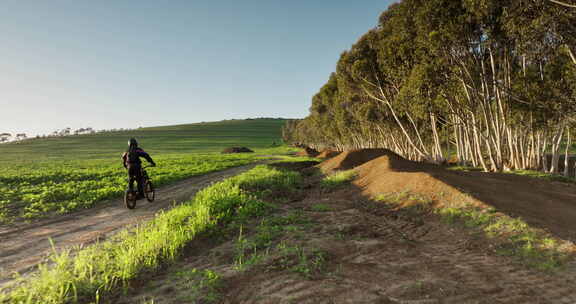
326	154
296	166
308	152
350	159
371	254
23	246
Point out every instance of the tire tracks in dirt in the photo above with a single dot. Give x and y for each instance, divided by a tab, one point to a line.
386	257
24	246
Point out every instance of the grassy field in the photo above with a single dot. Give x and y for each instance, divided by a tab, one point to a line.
39	189
49	176
189	138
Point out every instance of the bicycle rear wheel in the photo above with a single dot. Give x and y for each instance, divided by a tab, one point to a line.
130	198
149	191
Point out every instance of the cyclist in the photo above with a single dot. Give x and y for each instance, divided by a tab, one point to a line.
131	161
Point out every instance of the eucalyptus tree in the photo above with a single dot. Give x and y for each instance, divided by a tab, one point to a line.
563	3
493	79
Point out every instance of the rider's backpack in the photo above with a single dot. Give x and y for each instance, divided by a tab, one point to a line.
133	157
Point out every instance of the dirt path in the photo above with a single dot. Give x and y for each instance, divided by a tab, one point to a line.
370	253
541	203
23	246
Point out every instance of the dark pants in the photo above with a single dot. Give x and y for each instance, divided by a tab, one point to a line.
135	174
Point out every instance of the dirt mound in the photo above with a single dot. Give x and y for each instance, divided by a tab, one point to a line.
393	174
308	152
351	159
236	150
328	154
541	203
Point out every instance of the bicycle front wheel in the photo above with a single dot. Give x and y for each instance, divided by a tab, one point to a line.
149	191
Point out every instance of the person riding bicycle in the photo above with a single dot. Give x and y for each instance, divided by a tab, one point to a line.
131	161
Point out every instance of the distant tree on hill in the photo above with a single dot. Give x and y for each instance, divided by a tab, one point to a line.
80	131
4	137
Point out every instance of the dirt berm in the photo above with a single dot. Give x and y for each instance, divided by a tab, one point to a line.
545	204
308	152
328	154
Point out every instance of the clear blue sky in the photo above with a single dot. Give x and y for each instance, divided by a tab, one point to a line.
120	64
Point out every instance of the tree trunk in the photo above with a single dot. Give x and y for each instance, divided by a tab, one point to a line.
566	156
555	147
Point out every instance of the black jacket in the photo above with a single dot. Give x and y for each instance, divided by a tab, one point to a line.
133	158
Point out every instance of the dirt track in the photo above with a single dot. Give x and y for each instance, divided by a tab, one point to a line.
23	246
541	203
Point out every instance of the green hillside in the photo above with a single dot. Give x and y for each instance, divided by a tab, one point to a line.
189	138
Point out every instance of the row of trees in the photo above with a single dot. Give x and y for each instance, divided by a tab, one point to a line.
69	131
83	131
5	137
9	137
492	82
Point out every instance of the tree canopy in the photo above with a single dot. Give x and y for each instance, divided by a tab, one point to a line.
490	83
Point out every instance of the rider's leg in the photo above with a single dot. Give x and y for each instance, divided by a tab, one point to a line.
131	178
139	181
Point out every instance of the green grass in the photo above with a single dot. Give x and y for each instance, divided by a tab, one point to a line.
512	236
543	175
190	138
516	238
530	173
301	260
464	168
274	244
202	285
321	207
252	250
339	179
293	159
92	273
32	190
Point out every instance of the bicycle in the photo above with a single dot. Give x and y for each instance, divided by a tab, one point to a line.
131	195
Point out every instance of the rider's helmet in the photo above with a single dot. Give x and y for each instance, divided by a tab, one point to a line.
132	142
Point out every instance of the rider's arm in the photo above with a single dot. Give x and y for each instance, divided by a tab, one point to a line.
147	157
124	159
